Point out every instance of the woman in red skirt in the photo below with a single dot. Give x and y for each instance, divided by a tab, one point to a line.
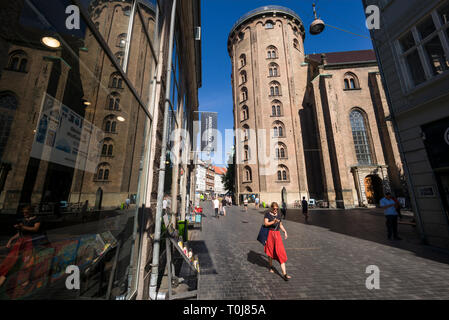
28	228
274	247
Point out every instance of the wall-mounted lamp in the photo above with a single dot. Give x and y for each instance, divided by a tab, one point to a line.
51	42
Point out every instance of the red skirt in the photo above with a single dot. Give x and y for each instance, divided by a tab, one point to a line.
274	247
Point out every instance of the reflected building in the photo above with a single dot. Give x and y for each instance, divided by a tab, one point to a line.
81	126
78	81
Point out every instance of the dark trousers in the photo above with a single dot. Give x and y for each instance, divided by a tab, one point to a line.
392	225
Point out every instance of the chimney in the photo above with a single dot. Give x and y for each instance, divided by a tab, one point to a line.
323	59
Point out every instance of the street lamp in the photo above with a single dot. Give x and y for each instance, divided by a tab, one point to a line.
317	26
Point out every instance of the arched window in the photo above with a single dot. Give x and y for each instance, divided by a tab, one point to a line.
272	52
351	81
361	138
114	101
102	172
110	125
282	173
8	107
278	129
243	77
120	57
295	31
245	115
121	40
248	174
296	43
241	36
269	24
242	60
107	149
104	150
273	70
116	81
244	94
275	88
281	151
247	154
245	132
18	61
276	109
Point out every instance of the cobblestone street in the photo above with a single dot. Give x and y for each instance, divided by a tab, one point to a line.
327	258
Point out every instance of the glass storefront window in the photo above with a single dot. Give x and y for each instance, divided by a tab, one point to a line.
81	129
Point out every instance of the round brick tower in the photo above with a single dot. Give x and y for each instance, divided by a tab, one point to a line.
269	80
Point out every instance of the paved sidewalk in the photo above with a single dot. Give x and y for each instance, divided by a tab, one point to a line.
326	258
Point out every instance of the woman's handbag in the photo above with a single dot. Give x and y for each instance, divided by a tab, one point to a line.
263	234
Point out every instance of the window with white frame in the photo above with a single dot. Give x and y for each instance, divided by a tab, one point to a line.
425	48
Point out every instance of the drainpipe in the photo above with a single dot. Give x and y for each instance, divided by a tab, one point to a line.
160	192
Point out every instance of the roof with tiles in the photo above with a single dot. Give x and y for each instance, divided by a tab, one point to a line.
345	57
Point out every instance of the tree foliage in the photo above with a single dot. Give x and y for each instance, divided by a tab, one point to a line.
229	178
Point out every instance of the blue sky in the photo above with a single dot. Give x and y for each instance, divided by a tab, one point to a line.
218	17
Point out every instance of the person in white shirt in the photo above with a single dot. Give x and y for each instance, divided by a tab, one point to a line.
164	205
245	204
391	214
216	207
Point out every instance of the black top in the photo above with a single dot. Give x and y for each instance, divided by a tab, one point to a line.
30	223
270	218
224	202
304	204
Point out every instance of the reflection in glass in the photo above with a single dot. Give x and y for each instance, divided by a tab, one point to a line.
436	55
64	153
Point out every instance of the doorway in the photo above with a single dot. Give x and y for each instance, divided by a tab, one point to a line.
373	189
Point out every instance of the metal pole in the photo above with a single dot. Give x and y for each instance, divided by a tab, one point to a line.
160	194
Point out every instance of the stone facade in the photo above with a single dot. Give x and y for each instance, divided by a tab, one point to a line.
293	117
416	75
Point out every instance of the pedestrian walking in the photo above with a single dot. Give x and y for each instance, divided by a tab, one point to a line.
389	205
27	231
223	206
257	202
164	205
127	203
245	204
284	210
305	208
216	207
274	247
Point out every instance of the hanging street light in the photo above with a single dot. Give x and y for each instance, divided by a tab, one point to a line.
317	26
